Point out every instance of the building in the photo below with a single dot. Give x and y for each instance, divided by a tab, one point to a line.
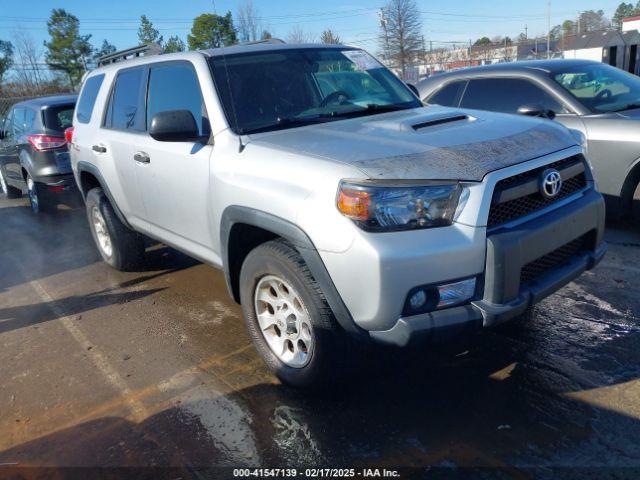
631	23
619	49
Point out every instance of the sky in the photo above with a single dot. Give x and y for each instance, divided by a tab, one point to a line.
355	21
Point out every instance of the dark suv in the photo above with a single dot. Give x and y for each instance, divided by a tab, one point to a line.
33	151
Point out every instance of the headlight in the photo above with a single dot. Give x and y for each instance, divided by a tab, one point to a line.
385	206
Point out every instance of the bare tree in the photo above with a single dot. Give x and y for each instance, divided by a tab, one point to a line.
329	37
400	35
28	69
298	35
249	24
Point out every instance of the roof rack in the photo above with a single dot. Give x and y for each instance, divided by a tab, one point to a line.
272	41
129	53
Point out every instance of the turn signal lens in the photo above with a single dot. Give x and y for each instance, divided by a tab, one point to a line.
68	135
354	204
382	206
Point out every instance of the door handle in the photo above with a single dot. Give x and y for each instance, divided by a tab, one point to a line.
99	149
142	157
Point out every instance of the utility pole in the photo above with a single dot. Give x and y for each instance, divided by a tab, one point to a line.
526	34
549	29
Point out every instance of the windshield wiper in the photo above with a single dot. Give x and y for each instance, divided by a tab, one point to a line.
371	109
630	106
287	122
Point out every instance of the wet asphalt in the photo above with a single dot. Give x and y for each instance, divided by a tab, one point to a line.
100	368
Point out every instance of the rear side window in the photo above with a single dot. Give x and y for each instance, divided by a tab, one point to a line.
58	117
176	87
88	98
18	121
449	95
29	119
506	95
126	103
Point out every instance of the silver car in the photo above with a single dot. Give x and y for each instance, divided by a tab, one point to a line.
339	208
598	100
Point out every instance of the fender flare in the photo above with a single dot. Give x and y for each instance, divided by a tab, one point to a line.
235	214
83	166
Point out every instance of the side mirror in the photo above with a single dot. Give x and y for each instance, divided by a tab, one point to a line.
536	110
413	89
174	126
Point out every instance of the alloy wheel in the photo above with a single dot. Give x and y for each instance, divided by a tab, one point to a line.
284	321
101	231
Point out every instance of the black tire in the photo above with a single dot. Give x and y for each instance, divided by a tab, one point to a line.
328	360
38	197
127	246
635	204
8	190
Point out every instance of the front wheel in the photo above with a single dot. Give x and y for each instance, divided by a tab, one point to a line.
119	246
288	318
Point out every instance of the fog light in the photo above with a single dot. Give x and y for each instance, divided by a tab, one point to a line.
455	293
418	300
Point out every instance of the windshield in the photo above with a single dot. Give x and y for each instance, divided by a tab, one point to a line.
601	88
279	89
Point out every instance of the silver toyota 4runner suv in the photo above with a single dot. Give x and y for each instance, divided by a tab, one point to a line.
337	205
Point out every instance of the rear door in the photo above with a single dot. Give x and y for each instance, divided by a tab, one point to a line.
122	128
174	176
11	152
7	126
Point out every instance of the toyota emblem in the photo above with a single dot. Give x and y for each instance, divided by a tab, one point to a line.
550	183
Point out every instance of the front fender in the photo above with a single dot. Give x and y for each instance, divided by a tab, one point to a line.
235	214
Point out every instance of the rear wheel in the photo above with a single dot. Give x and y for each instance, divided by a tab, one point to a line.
119	246
288	318
37	196
5	188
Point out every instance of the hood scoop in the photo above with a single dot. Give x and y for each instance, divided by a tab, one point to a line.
439	121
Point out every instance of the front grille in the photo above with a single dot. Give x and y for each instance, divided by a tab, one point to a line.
556	259
507	211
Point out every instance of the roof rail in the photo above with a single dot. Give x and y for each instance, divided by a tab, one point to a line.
271	41
134	52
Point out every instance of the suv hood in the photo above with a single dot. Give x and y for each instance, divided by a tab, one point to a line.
425	143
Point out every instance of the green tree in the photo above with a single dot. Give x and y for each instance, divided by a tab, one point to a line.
211	31
329	37
67	51
556	32
624	10
174	44
147	33
569	27
484	41
6	57
105	49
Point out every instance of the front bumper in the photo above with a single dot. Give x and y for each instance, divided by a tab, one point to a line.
508	250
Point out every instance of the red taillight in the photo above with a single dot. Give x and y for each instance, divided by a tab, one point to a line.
46	142
68	135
